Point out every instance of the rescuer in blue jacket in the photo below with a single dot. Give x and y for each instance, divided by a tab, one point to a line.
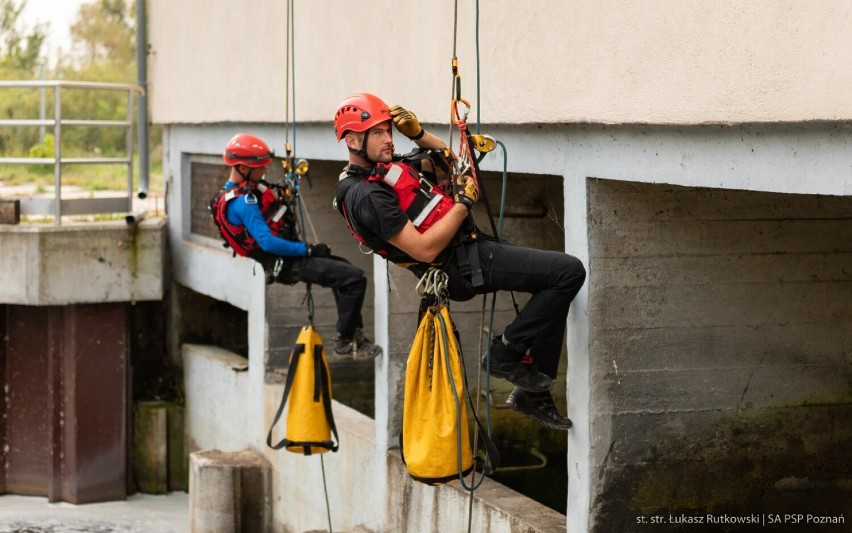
258	220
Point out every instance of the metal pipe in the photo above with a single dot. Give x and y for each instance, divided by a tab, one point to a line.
135	217
129	153
66	122
535	453
57	153
65	160
101	86
142	81
42	105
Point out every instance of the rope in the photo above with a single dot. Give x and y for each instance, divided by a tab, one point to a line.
309	297
287	77
325	489
466	149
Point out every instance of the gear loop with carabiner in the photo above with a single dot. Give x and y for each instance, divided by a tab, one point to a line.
434	283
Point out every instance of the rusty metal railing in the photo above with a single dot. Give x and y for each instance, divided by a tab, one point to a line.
57	206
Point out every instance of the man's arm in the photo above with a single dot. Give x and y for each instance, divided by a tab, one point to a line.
426	246
430	142
248	215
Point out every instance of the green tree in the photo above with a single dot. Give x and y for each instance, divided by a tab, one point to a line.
103	35
20	56
105	29
20	47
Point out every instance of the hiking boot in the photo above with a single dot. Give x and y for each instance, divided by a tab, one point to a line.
515	368
358	348
540	407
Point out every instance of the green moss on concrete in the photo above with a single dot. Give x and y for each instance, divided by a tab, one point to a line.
160	458
791	459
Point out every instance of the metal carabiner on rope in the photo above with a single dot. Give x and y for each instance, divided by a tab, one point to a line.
458	117
434	282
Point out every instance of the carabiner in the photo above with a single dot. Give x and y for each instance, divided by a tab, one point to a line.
457	117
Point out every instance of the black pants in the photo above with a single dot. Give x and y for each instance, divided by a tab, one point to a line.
553	279
346	281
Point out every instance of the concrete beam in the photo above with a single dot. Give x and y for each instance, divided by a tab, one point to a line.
86	263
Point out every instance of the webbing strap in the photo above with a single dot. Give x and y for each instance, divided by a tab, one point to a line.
298	350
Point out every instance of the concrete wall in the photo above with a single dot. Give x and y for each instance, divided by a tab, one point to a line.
386	499
721	352
660	61
86	263
788	159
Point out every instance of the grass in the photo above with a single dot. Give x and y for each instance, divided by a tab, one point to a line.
112	177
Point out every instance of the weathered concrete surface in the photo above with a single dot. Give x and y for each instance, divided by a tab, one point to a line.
366	484
150	448
85	263
720	352
141	513
216	385
229	492
160	460
809	158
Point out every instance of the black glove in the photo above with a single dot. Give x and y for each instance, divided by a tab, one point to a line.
406	122
318	249
465	191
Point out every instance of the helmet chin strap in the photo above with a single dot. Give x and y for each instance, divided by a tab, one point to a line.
244	176
362	152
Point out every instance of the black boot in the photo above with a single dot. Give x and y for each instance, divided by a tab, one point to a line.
540	407
509	365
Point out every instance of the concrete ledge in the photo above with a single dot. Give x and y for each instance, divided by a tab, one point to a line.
446	507
82	263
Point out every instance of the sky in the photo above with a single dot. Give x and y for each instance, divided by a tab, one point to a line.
60	14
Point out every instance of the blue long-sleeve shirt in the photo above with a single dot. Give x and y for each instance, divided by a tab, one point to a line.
248	215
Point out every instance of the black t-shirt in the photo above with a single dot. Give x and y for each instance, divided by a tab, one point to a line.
373	211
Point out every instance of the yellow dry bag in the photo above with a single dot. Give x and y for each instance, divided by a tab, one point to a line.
310	422
435	441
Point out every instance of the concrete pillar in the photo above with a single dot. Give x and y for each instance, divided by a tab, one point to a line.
159	448
229	492
150	450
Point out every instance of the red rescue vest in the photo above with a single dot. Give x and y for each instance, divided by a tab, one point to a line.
275	213
423	202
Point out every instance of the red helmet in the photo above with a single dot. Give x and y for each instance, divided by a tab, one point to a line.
248	150
359	113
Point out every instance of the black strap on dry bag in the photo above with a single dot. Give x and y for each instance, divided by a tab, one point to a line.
321	390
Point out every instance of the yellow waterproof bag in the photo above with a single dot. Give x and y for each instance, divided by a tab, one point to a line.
310	422
435	441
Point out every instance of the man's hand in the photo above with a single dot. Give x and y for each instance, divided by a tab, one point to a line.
318	249
465	191
406	122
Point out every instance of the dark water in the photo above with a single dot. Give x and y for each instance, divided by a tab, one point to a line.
527	473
